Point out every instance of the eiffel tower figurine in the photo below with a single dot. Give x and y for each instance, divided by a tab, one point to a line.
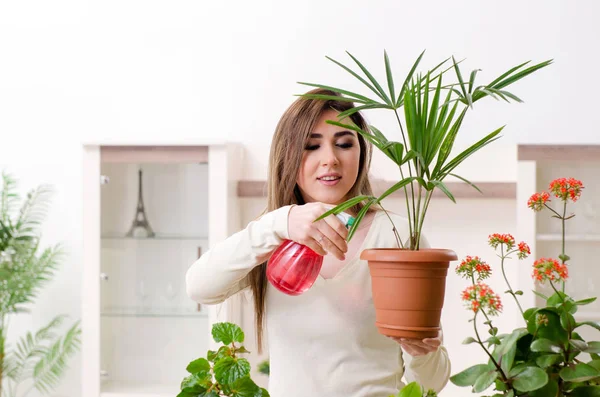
140	222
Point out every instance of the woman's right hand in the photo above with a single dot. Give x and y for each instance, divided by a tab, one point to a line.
327	235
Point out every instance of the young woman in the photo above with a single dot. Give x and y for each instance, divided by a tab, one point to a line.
323	342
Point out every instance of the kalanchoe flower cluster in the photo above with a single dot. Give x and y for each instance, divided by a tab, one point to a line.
473	267
537	200
481	297
496	239
549	269
524	250
566	188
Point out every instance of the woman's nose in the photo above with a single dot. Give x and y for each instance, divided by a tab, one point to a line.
329	156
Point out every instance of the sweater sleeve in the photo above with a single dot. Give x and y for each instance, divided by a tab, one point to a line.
432	370
221	272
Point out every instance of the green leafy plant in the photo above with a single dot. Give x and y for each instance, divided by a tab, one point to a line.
433	113
547	357
414	389
264	367
222	372
38	360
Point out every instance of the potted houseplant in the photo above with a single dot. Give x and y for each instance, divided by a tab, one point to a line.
409	282
546	356
38	360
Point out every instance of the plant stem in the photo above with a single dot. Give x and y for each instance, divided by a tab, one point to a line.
486	350
428	196
2	341
510	290
398	239
563	239
412	190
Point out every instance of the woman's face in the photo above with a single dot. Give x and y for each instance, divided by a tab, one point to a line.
329	163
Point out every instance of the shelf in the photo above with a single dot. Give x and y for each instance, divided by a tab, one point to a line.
157	237
127	389
152	314
572	237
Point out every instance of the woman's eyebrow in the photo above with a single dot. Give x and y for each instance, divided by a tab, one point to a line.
336	135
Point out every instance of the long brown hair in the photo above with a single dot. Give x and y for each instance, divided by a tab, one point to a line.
290	139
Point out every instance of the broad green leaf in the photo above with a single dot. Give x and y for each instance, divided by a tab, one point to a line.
585	391
548	360
579	345
549	390
567	321
545	345
196	391
245	387
198	365
227	333
593	347
201	378
230	369
468	341
579	373
241	349
594	363
553	331
593	324
585	301
468	376
484	381
211	355
413	389
531	378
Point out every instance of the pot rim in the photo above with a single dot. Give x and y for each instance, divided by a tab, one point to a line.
406	255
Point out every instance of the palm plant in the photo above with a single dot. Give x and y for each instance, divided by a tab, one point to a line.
433	115
38	360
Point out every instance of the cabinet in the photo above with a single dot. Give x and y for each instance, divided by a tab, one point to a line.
537	166
140	330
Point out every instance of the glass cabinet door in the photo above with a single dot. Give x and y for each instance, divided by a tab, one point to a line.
153	227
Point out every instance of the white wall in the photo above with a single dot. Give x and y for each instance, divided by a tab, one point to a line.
158	71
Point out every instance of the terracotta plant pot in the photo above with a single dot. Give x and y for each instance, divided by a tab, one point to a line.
408	290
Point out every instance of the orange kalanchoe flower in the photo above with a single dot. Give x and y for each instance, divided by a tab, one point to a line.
524	250
537	200
549	269
481	297
496	239
566	188
471	267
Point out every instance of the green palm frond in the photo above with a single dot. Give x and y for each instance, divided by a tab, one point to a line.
30	347
52	365
34	211
9	198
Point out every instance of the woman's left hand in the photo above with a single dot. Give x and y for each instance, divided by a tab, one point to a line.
418	347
